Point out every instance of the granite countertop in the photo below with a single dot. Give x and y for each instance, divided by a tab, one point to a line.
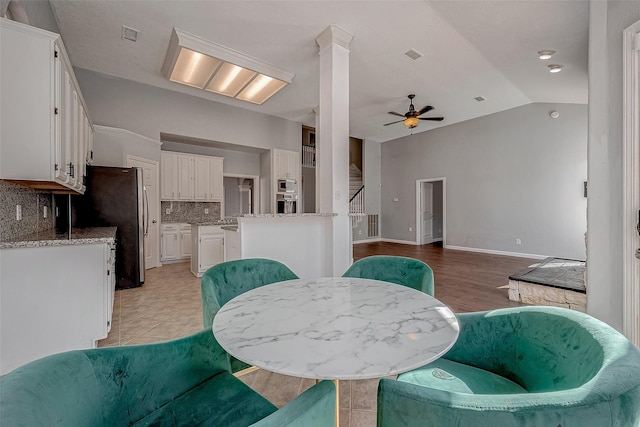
289	215
79	236
217	222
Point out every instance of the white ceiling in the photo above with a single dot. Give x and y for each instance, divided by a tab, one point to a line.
471	48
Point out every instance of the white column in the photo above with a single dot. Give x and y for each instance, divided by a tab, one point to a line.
332	143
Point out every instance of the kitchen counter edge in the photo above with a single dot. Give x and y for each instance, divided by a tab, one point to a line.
79	236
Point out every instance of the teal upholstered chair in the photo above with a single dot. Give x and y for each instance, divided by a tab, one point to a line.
409	272
184	382
525	366
225	281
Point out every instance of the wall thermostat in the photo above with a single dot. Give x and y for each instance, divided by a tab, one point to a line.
554	114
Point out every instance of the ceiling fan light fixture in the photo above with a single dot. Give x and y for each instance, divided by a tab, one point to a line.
546	54
411	122
200	63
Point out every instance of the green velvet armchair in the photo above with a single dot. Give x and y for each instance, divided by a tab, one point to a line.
223	282
525	366
409	272
184	382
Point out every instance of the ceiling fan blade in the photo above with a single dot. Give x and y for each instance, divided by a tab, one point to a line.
433	119
396	114
387	124
425	109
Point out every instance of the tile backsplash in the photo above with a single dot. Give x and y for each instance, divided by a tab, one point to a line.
32	203
189	211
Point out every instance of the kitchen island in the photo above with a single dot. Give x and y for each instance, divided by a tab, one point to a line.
56	293
300	241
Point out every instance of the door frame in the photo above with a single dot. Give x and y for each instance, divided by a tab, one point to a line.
419	208
631	181
156	201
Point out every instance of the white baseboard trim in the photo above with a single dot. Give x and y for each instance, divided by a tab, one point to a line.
376	239
404	242
492	252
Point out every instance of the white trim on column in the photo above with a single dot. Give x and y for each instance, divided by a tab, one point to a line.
631	182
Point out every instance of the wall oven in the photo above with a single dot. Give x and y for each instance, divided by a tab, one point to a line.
287	203
287	186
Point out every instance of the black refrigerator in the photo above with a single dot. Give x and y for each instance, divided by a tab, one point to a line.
116	197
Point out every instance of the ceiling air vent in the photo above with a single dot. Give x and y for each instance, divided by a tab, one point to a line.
413	54
480	98
129	33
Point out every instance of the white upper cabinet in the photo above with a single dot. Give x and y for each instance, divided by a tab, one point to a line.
186	179
168	176
202	182
286	164
189	177
216	178
45	129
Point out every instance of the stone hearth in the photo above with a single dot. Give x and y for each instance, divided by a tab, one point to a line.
553	282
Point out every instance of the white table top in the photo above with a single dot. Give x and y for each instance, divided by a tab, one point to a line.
335	328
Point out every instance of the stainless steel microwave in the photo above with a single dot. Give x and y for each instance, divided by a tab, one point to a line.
287	186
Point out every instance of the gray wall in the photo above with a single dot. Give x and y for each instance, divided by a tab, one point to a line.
235	162
513	174
604	266
150	111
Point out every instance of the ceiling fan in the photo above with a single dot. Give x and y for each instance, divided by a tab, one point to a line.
411	118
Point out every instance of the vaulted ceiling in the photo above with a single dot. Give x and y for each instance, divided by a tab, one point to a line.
471	48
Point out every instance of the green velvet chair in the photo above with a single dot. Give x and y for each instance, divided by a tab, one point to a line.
225	281
525	366
409	272
184	382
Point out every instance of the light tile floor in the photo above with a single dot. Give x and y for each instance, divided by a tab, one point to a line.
169	306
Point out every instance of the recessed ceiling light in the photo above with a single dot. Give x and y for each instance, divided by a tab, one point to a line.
196	62
555	68
545	54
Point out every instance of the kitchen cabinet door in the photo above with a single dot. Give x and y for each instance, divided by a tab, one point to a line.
170	248
202	172
286	164
211	251
216	178
185	240
186	174
168	176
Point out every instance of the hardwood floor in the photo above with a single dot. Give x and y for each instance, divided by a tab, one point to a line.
465	281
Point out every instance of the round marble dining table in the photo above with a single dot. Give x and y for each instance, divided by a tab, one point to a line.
335	328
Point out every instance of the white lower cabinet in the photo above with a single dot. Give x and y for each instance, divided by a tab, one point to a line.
53	299
175	241
207	248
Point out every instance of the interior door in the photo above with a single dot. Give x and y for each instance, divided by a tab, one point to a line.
152	205
427	213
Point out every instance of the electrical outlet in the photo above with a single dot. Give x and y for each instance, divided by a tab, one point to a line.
18	212
45	212
518	242
167	211
359	232
410	228
206	211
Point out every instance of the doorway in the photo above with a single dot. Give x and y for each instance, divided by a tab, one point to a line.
150	181
241	195
430	210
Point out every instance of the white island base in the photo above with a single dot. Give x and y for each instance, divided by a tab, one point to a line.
300	241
